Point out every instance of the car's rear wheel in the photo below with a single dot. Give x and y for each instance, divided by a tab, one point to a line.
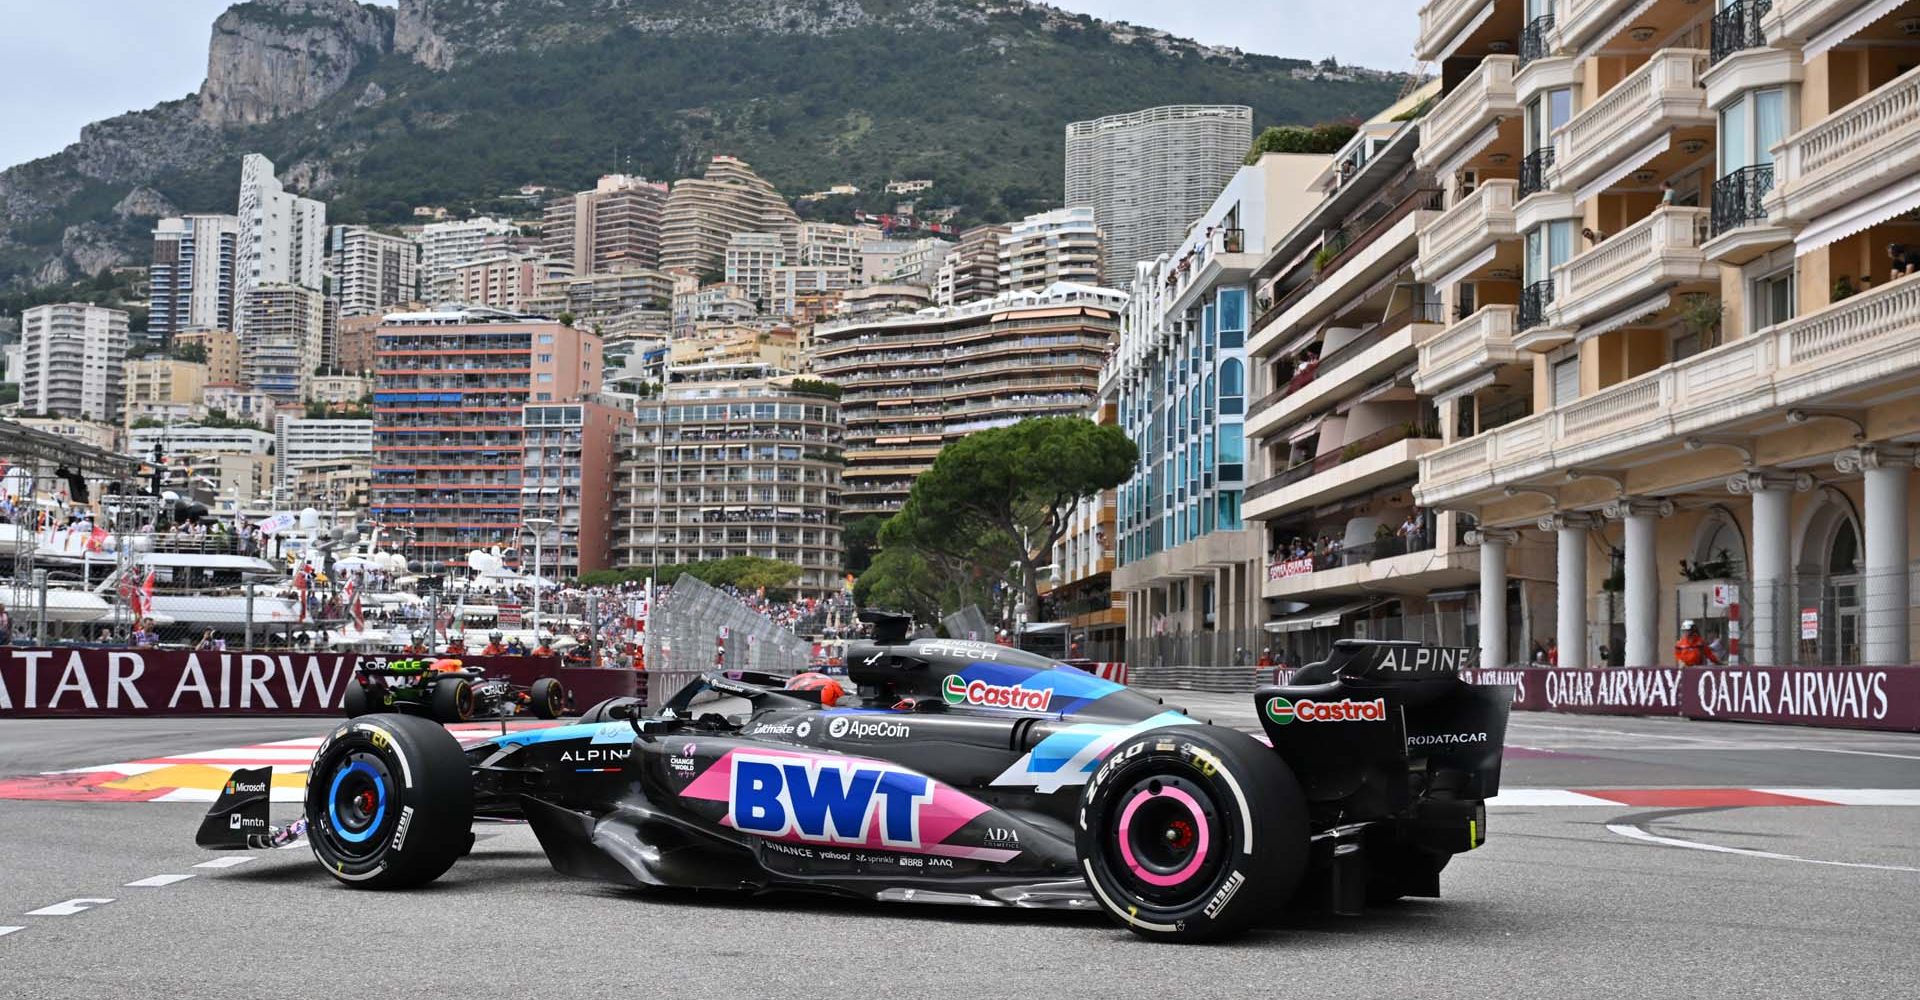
355	702
1190	833
453	700
389	802
547	698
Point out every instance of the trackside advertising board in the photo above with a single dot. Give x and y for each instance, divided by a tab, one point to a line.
1843	697
63	682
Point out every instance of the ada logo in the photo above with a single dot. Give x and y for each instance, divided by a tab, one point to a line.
826	801
842	727
1283	712
1001	836
957	691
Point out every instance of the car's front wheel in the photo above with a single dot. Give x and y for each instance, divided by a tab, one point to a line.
1190	833
547	698
453	700
389	802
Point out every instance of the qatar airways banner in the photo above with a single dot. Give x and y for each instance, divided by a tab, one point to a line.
1845	697
58	682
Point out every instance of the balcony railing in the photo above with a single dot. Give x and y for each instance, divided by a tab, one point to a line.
1348	452
1662	94
1462	230
1737	197
1485	94
1534	300
1659	250
1737	27
1484	338
1422	312
1853	130
1440	20
1534	42
1533	170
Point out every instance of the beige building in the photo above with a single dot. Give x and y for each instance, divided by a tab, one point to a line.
778	347
505	280
616	225
284	335
729	461
338	484
914	382
163	388
750	262
595	298
971	270
1061	245
1681	345
71	361
703	213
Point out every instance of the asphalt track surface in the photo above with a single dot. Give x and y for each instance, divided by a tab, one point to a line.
1568	901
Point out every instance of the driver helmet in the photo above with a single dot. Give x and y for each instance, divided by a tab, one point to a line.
493	637
830	689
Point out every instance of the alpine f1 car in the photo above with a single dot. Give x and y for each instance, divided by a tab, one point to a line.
960	773
447	690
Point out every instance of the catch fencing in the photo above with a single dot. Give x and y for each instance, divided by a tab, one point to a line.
694	628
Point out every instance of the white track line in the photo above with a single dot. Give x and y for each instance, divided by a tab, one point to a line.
229	861
1861	753
1635	833
156	881
1853	796
4	931
68	907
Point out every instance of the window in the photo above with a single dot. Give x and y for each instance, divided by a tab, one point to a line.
1771	300
1233	453
1545	113
1566	381
546	359
1229	504
1749	129
1232	317
1548	247
1207	332
1233	387
545	377
546	338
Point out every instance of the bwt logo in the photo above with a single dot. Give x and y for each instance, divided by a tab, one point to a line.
826	801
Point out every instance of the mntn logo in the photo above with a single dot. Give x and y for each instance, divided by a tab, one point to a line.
826	801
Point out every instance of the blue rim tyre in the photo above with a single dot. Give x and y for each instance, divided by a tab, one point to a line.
389	802
1192	833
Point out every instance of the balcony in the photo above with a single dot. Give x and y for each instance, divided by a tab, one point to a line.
1357	363
1480	342
1535	299
1824	358
1441	21
1632	269
1485	96
1371	462
1864	151
1796	22
1740	227
1580	20
1474	224
1633	122
1736	28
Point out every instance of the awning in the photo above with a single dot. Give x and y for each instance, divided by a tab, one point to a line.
1306	430
1896	200
1623	317
1634	161
1465	268
1468	387
1850	25
1316	618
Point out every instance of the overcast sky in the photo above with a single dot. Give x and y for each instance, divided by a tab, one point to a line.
64	63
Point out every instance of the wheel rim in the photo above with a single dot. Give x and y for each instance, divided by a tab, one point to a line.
1169	838
358	804
463	699
553	699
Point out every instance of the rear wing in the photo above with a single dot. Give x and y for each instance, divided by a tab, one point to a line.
1387	660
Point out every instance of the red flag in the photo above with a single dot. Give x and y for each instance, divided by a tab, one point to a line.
300	588
146	595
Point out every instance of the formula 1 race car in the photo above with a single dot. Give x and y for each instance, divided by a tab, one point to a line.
446	690
966	773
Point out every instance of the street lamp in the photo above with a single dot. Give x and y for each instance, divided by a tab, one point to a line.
538	525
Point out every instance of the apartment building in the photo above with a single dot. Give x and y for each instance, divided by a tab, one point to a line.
451	388
604	298
373	271
1184	559
805	293
971	270
353	343
569	482
283	237
222	350
1681	342
190	285
703	213
444	246
1080	591
864	302
750	262
826	244
914	382
71	358
1149	173
732	461
507	280
163	387
300	443
1061	245
239	402
1335	422
778	347
284	339
616	225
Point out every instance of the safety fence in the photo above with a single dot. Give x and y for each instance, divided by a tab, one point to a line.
695	627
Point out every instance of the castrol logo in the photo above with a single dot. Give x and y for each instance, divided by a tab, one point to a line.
958	691
1283	711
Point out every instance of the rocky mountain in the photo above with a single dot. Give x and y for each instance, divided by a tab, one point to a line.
458	103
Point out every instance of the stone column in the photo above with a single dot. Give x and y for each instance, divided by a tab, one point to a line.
1570	629
1493	544
1884	568
1770	626
1641	518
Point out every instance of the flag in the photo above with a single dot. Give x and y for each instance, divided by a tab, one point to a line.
146	595
300	588
353	605
97	539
